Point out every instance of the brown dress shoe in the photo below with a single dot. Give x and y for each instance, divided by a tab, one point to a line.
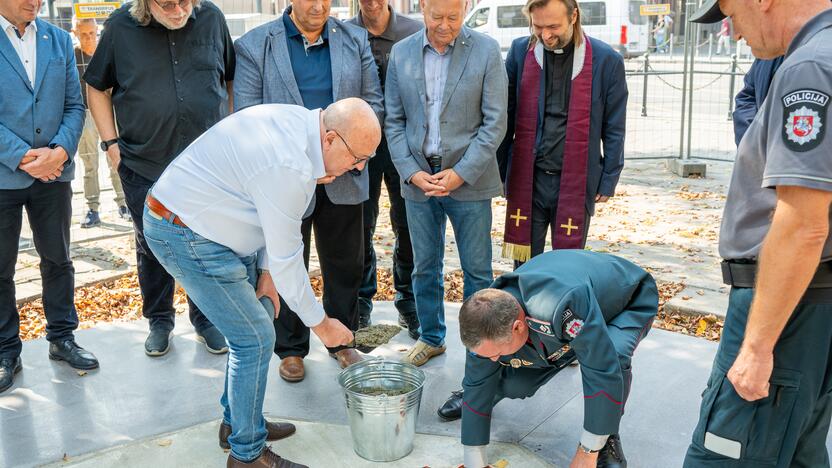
276	431
346	357
291	369
267	459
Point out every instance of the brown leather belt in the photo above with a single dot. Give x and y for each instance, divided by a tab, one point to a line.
159	209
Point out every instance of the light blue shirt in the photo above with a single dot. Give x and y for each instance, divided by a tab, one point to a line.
436	73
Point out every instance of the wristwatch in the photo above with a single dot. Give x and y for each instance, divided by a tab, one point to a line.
107	144
583	449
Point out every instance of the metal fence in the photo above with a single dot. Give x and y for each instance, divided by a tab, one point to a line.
682	83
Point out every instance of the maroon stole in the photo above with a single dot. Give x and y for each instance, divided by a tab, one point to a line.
569	223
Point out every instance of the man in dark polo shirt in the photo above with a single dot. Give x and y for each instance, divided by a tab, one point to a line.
384	28
310	59
165	68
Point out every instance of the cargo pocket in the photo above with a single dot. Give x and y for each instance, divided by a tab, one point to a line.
738	429
773	416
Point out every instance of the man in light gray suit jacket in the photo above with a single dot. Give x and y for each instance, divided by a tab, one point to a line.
310	59
446	102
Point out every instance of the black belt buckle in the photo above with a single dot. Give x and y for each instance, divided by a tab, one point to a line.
435	162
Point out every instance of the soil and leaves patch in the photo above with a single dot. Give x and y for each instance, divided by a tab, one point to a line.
370	338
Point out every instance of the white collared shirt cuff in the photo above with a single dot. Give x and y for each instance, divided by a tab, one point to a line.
593	441
476	456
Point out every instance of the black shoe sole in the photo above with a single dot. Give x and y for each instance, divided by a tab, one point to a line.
447	419
58	358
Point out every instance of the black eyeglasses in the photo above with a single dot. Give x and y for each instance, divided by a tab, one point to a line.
171	6
356	160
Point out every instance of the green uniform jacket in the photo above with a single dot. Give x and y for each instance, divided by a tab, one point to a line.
592	302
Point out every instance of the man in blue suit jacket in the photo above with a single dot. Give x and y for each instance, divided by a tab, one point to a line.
41	117
310	59
561	50
750	99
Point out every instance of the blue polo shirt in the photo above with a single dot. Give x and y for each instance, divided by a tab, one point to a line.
311	65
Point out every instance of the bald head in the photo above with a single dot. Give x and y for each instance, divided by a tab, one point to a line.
356	122
350	134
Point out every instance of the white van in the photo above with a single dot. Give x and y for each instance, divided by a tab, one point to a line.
616	22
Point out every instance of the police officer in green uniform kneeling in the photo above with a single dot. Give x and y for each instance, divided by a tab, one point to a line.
531	323
769	397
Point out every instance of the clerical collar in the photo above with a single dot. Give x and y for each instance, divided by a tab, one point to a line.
564	50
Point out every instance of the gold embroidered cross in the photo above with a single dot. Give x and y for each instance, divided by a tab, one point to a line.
517	218
569	227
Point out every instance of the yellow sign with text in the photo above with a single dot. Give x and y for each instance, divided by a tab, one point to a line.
98	10
654	9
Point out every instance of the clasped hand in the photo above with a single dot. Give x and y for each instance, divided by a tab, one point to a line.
44	164
440	184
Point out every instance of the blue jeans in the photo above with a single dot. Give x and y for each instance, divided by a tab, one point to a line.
471	221
223	285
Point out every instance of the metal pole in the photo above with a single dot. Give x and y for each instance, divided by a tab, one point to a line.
710	47
51	5
731	82
690	97
686	48
644	90
670	45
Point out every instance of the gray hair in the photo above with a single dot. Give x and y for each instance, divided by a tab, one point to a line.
140	10
76	21
487	315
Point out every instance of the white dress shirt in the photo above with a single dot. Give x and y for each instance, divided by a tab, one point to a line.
245	184
25	46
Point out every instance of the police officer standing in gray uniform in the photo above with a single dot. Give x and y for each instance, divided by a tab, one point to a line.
769	397
531	323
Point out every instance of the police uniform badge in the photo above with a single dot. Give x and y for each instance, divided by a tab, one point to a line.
804	112
571	324
540	326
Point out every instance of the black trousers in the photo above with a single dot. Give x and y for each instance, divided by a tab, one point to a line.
381	168
544	210
157	286
49	209
339	238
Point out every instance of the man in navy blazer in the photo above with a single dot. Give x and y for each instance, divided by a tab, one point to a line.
563	54
310	59
41	117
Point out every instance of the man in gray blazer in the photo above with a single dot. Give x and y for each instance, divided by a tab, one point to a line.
446	101
309	59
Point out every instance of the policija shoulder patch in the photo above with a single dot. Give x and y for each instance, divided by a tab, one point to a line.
571	324
804	112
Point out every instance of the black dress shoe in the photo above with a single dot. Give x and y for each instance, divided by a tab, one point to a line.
72	354
612	455
452	409
8	368
410	321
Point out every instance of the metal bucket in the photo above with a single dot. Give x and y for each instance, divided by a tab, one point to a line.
383	427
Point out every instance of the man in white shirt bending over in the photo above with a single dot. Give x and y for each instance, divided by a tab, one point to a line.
231	204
